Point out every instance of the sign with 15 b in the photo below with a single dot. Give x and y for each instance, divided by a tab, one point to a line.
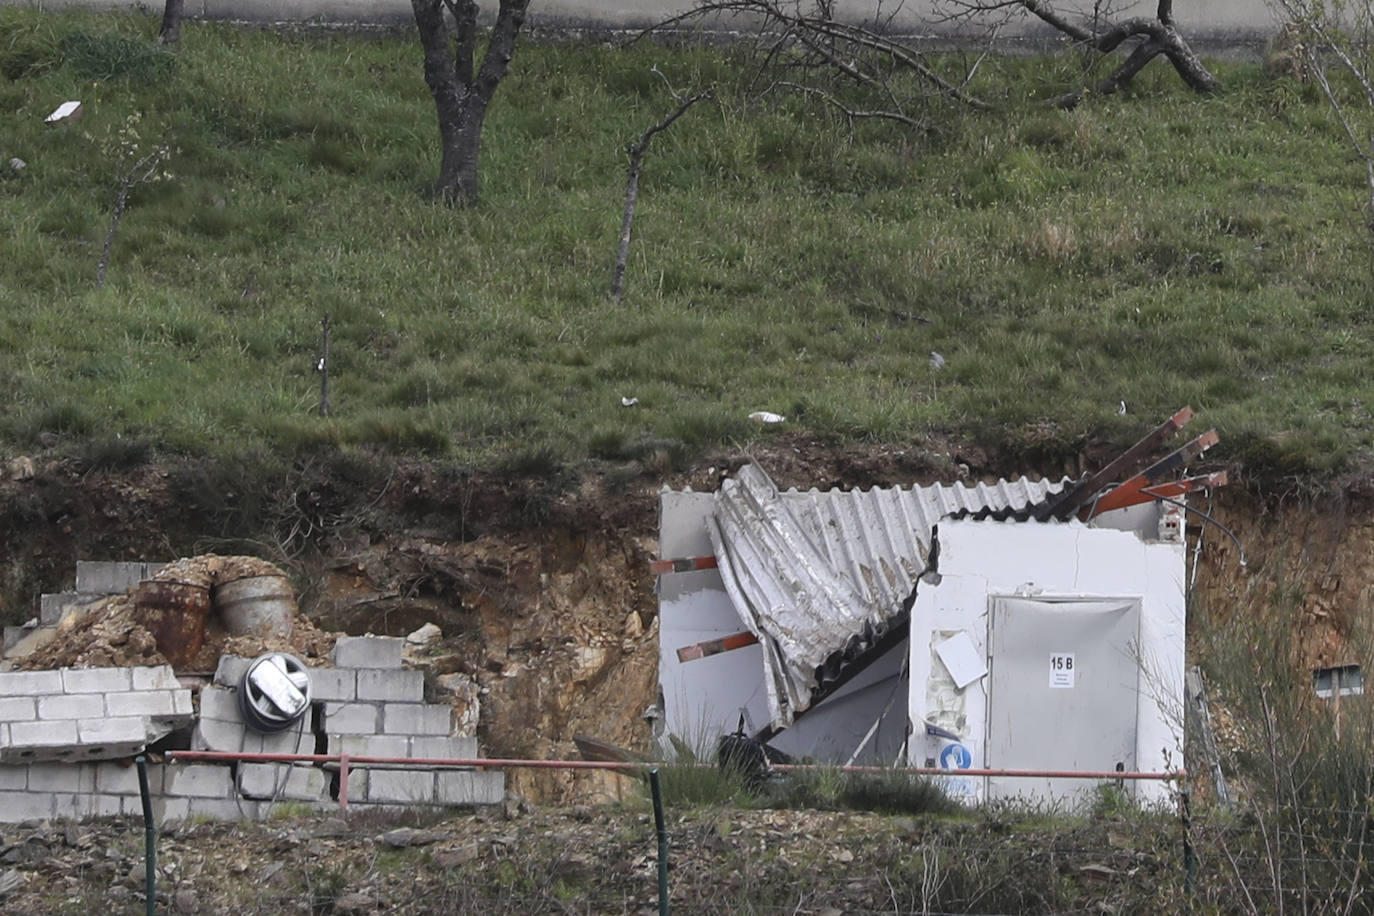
1062	670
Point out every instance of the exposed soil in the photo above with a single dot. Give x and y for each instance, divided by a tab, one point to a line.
539	581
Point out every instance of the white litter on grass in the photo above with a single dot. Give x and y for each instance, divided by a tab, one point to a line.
937	360
18	164
765	416
628	402
63	112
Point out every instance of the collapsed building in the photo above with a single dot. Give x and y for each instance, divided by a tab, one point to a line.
1023	625
203	667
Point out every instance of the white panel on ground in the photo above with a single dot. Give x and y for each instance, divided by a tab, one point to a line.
1064	683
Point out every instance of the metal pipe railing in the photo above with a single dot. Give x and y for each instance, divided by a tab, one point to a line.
347	761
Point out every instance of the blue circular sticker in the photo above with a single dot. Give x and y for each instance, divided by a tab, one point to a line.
956	757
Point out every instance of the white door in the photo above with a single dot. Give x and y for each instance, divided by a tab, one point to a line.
1064	679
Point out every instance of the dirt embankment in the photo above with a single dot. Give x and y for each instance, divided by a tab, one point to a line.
540	583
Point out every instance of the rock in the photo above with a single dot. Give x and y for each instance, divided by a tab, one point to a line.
404	837
452	858
466	697
186	901
425	635
20	468
354	903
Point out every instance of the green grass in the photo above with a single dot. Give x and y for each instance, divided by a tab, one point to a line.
1155	247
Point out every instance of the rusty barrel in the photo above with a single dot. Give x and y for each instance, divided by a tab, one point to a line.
257	606
175	613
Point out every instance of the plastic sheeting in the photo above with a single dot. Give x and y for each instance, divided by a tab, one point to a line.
816	573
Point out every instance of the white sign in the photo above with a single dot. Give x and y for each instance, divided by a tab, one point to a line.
1061	669
961	659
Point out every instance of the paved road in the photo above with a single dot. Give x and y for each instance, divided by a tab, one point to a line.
1215	20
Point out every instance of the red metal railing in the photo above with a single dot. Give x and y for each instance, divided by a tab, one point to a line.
345	761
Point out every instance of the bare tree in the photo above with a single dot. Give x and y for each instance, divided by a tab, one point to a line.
1319	36
463	88
170	32
1146	37
812	34
809	39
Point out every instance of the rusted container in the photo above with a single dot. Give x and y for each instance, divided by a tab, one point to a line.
175	613
257	606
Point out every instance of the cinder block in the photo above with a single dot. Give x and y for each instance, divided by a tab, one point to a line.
18	709
220	703
412	786
417	718
32	741
166	810
111	737
217	735
198	780
61	777
334	683
94	680
295	740
118	779
107	577
451	748
350	719
160	677
368	652
13	635
275	781
29	683
101	806
230	670
390	685
227	809
14	778
369	745
142	703
51	608
25	806
74	706
470	787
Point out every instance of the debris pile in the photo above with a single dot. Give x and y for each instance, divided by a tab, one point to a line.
174	617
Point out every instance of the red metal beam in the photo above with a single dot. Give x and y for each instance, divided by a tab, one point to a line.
681	564
1121	496
1174	489
716	646
1080	493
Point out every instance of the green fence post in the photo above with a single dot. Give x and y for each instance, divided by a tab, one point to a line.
662	842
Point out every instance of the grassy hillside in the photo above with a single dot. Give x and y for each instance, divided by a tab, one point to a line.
1158	248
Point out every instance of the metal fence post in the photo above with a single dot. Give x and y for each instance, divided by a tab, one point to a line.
662	842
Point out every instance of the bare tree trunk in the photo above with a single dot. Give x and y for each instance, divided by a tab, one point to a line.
462	90
637	151
171	22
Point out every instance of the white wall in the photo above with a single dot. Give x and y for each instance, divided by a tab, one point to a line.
979	559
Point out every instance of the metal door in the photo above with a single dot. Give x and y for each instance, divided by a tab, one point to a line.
1063	689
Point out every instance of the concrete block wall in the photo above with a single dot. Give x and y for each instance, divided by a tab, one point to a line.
365	706
66	737
85	714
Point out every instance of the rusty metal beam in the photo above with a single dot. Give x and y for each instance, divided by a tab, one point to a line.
1083	491
716	646
1122	495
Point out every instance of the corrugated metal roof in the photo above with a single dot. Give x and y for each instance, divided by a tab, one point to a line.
818	573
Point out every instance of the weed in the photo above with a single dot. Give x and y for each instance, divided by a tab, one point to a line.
1158	249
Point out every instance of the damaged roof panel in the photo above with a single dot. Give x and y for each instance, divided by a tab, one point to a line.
811	573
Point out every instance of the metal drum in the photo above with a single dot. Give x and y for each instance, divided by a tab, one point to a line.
175	613
257	606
